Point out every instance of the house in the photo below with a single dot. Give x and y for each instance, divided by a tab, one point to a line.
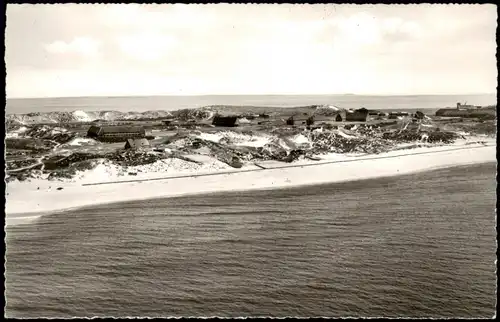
338	115
358	115
290	121
330	113
136	143
461	106
396	115
373	112
229	121
115	133
419	115
310	120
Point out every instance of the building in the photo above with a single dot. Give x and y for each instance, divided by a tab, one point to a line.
374	112
115	133
465	106
468	111
396	115
419	115
340	115
310	120
336	116
329	113
359	115
136	143
228	121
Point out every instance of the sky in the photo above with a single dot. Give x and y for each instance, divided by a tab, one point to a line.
68	50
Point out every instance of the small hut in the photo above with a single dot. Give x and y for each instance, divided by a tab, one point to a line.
359	115
310	120
136	143
290	121
331	113
228	121
396	115
419	115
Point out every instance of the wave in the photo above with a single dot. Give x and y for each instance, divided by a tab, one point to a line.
21	220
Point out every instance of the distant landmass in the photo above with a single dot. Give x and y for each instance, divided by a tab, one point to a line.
171	103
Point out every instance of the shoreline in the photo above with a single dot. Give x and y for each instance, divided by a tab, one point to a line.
296	164
301	173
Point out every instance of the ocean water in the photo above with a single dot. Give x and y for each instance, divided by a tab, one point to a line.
420	245
170	103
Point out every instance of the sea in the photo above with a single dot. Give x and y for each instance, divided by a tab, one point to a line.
419	245
426	103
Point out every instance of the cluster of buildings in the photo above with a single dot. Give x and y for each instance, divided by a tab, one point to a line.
135	136
468	111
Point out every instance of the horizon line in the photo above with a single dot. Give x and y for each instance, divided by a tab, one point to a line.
205	95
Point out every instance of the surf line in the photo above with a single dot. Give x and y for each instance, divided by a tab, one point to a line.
284	167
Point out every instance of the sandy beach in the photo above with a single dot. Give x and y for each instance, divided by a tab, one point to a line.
27	201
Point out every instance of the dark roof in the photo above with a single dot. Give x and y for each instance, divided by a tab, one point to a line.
119	129
135	143
224	120
116	129
226	116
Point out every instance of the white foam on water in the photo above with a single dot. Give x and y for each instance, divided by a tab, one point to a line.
21	220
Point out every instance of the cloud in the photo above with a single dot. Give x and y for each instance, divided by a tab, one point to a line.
146	46
364	29
159	17
81	45
231	49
